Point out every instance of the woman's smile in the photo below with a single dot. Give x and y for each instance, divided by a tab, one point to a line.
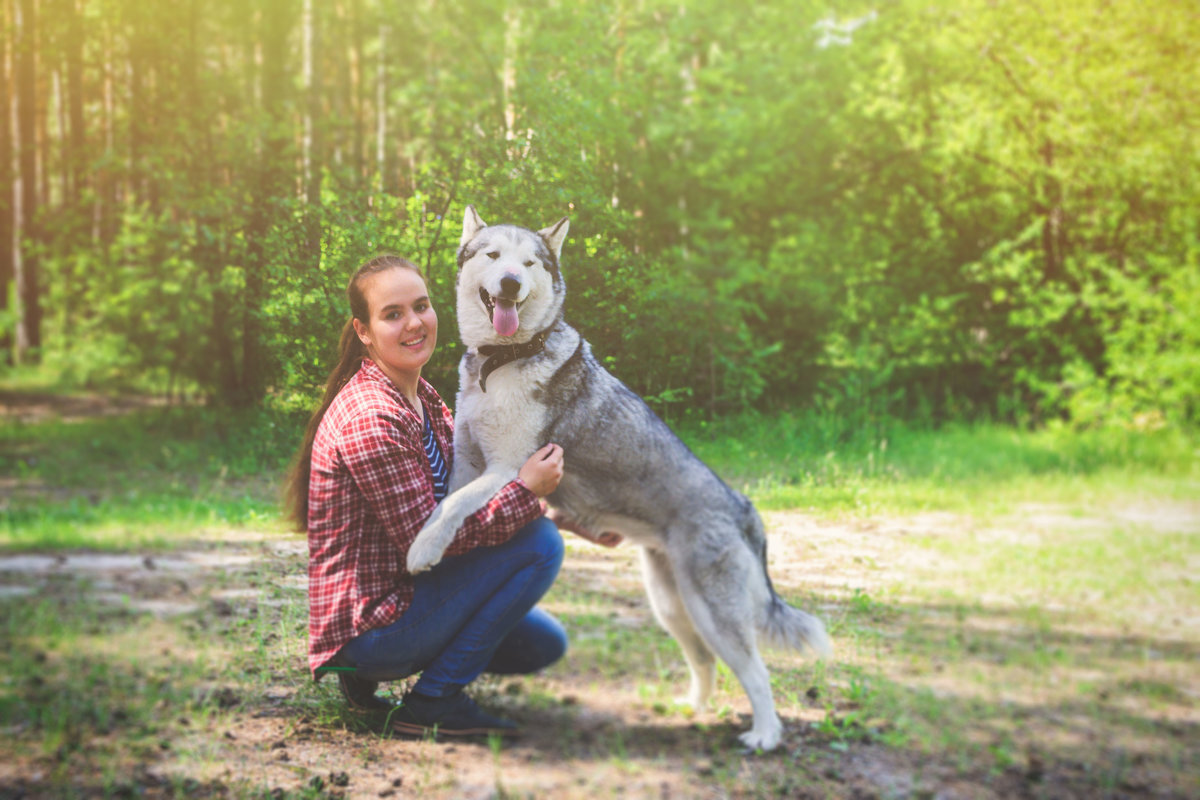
401	332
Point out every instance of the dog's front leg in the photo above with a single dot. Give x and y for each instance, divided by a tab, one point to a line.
469	461
431	543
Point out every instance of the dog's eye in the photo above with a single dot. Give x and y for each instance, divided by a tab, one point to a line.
494	255
529	263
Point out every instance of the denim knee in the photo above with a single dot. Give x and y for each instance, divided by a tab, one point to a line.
553	645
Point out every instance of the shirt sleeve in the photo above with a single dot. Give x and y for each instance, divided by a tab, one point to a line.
391	470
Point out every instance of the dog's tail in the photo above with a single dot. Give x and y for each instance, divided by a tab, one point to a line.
783	625
790	627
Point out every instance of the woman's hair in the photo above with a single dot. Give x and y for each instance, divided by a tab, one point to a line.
351	352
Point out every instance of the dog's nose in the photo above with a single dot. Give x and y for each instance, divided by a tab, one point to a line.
509	285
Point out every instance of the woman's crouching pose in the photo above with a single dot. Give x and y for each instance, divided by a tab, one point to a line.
375	463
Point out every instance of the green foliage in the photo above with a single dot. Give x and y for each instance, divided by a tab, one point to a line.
932	211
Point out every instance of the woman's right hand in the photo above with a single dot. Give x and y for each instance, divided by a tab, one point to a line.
543	470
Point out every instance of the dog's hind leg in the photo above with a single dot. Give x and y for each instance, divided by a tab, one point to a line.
723	605
671	613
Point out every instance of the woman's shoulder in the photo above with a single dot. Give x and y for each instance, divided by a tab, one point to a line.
363	398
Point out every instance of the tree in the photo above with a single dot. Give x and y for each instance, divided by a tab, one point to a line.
8	186
27	266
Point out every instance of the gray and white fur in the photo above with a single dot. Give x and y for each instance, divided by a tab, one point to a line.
703	548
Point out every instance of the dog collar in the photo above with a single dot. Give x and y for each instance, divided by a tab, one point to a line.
501	354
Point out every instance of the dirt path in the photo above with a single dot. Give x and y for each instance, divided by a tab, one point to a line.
1033	701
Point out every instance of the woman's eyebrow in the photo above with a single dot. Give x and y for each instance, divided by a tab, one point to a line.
421	299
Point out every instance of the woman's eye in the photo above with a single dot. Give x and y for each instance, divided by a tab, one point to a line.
494	255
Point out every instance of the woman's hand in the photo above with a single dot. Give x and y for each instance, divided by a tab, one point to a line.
543	470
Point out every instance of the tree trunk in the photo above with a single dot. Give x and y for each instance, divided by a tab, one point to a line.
271	192
137	116
311	169
7	182
512	36
77	152
381	107
29	337
1053	232
312	139
358	109
104	211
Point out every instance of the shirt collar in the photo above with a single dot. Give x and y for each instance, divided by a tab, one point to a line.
425	391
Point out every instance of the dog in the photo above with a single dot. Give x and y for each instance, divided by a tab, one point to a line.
528	378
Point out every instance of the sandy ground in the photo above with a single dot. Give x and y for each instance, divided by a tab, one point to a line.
587	733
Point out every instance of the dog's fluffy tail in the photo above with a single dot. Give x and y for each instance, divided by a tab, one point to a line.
790	627
783	625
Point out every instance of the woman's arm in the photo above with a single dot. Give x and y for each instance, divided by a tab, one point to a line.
391	470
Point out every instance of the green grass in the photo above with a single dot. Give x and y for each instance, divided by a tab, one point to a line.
142	478
806	460
148	477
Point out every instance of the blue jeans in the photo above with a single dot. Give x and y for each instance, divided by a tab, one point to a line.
472	613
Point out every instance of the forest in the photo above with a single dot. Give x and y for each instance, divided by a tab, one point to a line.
926	209
920	278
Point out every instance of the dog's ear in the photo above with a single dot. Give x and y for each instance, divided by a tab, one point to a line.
555	235
472	225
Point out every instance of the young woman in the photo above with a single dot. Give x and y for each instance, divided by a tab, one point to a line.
375	462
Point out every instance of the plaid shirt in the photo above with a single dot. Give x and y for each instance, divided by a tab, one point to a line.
370	492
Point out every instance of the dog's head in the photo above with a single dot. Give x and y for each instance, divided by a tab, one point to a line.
509	283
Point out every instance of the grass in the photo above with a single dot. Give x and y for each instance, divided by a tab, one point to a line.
1012	611
145	478
141	479
805	460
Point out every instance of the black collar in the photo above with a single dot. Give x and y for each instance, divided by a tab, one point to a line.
501	354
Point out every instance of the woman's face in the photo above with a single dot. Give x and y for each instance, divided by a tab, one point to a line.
402	328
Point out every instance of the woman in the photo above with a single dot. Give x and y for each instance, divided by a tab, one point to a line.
375	462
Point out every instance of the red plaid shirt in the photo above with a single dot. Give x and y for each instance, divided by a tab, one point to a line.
370	493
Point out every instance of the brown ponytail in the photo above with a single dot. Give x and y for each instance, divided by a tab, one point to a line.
351	352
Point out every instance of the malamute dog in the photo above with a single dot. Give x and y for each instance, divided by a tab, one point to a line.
529	378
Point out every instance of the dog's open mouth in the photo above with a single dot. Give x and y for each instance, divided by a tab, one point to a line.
502	312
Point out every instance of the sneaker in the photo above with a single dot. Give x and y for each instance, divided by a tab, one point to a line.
452	715
360	693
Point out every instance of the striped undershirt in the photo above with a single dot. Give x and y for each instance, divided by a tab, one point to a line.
441	475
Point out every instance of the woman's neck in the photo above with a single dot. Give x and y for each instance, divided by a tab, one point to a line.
407	383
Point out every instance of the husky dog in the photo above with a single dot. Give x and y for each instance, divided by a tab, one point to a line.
529	378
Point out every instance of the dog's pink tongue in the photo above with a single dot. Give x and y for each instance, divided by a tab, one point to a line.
505	319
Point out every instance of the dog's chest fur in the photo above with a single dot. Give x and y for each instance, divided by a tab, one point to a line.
506	420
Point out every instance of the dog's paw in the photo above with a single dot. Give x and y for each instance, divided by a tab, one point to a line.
681	705
424	553
762	741
690	703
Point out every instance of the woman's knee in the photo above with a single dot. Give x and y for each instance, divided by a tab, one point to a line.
538	641
554	643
